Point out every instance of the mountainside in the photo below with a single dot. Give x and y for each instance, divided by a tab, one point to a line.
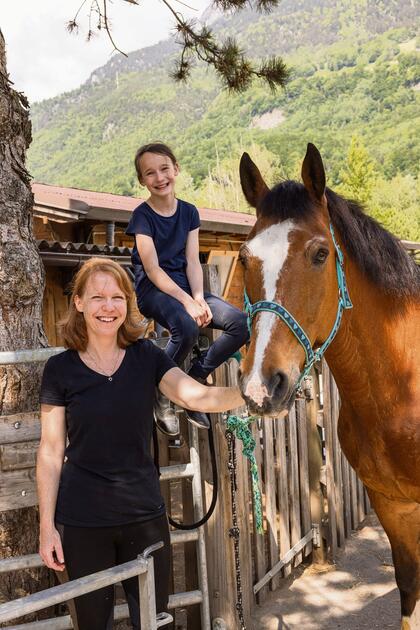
355	72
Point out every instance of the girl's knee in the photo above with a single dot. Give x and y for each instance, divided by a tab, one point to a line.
190	333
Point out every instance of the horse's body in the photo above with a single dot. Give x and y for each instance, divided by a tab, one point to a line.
289	259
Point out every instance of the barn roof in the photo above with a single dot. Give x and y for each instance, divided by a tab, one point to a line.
73	204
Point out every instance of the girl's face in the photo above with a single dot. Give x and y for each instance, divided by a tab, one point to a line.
103	304
158	174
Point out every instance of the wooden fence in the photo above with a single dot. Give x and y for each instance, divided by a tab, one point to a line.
312	498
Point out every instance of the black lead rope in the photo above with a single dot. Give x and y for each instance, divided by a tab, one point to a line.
210	511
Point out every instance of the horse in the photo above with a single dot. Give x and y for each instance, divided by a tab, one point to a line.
322	276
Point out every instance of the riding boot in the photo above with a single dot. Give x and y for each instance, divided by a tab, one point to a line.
165	416
199	418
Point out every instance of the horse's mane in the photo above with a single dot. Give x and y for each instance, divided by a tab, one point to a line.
377	253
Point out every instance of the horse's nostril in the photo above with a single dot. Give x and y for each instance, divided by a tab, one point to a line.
278	384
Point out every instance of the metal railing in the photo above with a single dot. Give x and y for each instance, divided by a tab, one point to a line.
143	567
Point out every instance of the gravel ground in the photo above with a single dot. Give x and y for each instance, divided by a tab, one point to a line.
357	593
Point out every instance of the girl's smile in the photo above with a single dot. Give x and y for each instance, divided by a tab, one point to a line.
158	174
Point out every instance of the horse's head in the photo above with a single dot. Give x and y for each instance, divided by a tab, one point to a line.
288	258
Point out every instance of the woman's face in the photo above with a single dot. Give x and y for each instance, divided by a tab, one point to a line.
103	304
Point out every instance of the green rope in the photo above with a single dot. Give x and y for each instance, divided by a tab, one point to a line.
240	428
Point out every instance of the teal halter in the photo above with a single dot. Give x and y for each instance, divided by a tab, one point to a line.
344	302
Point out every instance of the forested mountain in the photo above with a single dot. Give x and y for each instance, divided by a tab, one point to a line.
354	91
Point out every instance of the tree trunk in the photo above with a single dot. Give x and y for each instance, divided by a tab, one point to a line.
22	287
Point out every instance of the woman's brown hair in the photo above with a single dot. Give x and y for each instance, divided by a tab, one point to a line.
73	327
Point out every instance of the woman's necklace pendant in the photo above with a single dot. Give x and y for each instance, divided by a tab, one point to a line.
109	378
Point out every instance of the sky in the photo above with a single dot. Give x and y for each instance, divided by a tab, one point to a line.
44	60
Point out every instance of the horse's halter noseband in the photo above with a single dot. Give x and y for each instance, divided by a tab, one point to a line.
344	302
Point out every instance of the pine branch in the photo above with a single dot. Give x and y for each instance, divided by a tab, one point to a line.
234	69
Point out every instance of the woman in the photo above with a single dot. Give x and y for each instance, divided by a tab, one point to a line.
99	497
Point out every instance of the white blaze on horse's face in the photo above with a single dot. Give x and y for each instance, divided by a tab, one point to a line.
271	247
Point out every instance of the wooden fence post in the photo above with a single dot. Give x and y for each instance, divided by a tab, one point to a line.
315	465
219	545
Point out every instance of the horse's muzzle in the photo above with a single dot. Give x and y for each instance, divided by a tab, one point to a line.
270	397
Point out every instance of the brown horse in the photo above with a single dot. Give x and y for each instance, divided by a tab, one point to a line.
290	259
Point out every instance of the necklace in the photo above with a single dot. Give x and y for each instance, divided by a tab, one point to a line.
100	367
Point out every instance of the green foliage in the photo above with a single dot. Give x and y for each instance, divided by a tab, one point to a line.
356	74
222	187
395	204
358	176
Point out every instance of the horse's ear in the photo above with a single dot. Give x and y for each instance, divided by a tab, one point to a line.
253	185
313	173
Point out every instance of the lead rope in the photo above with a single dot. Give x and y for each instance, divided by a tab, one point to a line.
239	427
234	531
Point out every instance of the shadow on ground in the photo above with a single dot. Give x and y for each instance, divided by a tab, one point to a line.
357	593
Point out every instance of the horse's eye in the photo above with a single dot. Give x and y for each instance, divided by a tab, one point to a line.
320	256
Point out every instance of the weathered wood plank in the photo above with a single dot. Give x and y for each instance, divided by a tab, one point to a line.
259	540
283	490
336	451
17	456
270	498
20	427
190	548
360	501
329	458
301	421
294	495
18	489
346	494
368	506
222	585
244	506
315	464
353	495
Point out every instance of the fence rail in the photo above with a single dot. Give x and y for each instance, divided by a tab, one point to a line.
142	567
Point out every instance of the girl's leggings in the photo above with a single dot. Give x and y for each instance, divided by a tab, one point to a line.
91	549
170	314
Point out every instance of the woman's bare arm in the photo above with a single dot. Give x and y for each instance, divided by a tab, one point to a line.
49	464
189	394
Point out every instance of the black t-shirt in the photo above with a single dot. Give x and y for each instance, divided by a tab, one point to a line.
169	236
108	477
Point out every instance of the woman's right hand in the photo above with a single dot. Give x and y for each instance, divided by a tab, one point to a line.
50	549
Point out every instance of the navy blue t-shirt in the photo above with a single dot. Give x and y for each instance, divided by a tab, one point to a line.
109	477
169	236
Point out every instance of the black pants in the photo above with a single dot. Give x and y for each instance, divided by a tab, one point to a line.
91	549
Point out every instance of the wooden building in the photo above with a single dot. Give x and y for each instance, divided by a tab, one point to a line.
71	225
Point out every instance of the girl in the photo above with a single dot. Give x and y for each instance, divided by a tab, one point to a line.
169	279
99	499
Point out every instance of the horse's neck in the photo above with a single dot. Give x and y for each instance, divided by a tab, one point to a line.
375	345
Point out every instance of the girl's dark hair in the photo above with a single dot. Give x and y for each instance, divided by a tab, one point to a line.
153	147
